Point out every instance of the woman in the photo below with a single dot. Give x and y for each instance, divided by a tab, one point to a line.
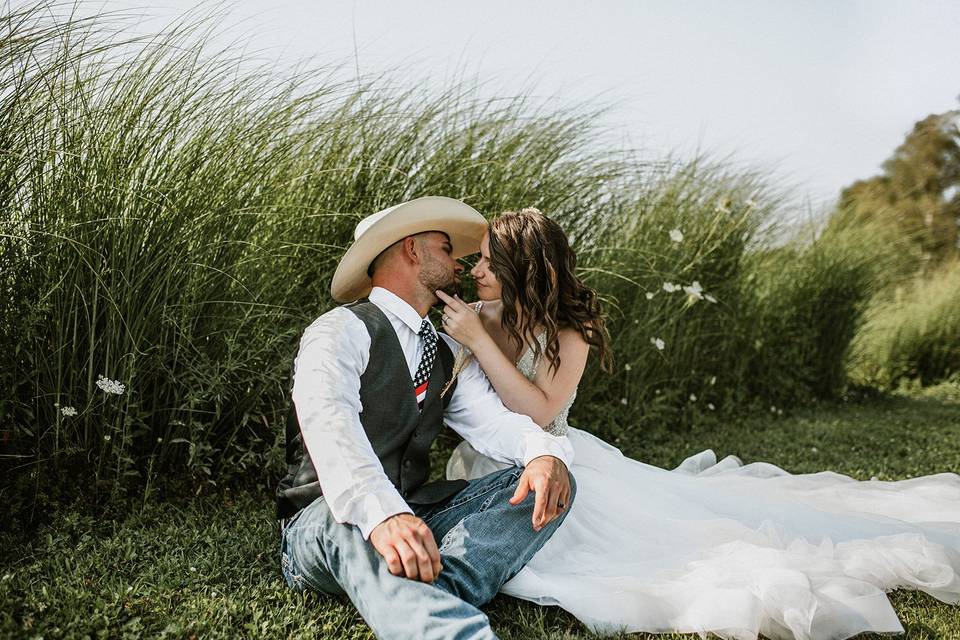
723	547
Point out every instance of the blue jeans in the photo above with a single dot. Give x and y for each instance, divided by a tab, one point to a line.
484	541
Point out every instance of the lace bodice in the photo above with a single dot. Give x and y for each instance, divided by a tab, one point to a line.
527	365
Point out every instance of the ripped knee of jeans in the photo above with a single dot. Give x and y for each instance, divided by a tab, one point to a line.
293	579
455	539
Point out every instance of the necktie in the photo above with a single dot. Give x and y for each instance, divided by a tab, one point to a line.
422	378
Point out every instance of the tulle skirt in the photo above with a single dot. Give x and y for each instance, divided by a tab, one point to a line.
737	549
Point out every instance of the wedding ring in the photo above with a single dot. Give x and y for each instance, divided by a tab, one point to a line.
444	318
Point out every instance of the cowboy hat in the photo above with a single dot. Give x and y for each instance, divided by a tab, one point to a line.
462	223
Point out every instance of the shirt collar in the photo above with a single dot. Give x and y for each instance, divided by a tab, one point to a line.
389	301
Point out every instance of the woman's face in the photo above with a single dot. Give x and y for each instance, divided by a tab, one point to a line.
487	286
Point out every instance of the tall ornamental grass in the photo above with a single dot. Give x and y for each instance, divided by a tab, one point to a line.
806	302
667	262
710	316
171	224
171	220
913	333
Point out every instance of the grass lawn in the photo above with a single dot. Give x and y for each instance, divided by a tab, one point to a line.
207	567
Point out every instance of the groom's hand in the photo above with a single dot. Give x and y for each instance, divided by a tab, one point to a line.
406	543
548	477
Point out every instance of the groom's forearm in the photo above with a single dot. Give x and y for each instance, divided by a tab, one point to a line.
476	413
495	431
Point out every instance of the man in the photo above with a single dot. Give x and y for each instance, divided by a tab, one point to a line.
358	516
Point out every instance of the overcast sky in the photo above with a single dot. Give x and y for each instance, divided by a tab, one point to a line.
819	92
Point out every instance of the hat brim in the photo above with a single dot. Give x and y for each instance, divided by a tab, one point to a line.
463	224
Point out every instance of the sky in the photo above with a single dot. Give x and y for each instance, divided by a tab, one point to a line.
816	93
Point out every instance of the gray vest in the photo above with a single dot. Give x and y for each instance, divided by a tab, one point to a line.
400	433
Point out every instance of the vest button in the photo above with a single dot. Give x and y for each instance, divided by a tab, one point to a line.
406	464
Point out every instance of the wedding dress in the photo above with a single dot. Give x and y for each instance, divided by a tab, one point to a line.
735	549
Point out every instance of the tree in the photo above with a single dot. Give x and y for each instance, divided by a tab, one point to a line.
918	191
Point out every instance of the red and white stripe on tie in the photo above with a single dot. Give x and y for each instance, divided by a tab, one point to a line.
422	378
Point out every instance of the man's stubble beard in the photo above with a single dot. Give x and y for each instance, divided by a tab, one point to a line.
451	289
433	279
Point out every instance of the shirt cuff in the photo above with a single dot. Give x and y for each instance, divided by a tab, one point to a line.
547	445
379	506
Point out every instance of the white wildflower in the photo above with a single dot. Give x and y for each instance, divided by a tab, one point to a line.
649	295
713	380
68	411
658	343
110	386
813	449
193	569
623	401
106	438
676	235
779	412
693	397
627	367
723	205
669	287
656	391
695	290
773	409
710	406
159	440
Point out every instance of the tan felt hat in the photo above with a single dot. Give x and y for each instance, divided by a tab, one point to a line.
462	223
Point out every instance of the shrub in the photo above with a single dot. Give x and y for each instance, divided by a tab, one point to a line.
912	333
804	303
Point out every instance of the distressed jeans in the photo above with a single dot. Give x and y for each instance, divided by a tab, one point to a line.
484	541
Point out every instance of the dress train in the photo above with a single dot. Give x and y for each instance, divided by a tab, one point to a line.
736	549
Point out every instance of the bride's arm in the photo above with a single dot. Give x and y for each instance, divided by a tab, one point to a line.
541	399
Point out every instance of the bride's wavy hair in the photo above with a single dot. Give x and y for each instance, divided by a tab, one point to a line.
536	268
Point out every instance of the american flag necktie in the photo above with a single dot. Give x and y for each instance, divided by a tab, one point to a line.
422	379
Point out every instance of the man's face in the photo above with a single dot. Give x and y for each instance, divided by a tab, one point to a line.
438	270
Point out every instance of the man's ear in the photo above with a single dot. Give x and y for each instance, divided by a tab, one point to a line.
411	249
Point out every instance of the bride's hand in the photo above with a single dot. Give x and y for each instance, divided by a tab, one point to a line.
461	322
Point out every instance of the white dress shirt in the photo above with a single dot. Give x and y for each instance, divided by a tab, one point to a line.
334	353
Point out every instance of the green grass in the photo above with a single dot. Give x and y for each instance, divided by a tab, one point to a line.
207	566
